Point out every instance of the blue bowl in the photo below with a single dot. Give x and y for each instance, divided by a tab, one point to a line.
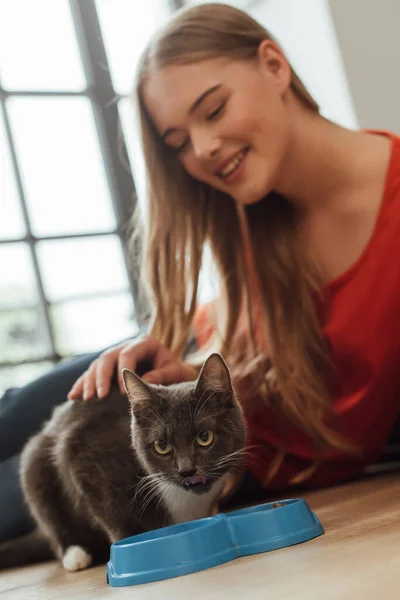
263	528
205	543
171	551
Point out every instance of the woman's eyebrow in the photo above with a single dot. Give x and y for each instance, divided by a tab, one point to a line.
193	107
203	96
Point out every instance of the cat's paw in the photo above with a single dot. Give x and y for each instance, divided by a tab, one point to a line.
76	558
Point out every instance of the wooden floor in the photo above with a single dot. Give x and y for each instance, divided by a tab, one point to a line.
357	557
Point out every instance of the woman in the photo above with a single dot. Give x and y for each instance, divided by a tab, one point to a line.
303	220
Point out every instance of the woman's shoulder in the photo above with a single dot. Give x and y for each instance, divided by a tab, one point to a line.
391	199
393	169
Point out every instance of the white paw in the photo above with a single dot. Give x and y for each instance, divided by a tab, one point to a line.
76	558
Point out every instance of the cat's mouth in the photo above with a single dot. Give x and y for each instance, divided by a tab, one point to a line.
197	483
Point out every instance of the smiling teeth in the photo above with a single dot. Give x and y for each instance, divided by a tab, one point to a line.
230	167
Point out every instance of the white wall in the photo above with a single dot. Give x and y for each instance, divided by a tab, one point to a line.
369	38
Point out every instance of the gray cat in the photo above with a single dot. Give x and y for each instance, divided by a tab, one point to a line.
103	470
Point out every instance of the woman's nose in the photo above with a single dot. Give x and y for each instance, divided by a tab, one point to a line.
205	146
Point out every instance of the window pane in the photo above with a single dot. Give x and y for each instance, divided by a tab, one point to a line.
90	325
17	279
21	374
130	128
23	335
126	28
61	164
11	223
209	279
38	46
77	267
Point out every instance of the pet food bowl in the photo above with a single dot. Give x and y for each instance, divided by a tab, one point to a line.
274	525
197	545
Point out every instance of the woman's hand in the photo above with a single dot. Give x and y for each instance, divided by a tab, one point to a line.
96	381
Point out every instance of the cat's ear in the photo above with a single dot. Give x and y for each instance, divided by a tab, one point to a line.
215	375
138	391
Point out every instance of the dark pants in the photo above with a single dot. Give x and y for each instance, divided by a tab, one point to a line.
22	413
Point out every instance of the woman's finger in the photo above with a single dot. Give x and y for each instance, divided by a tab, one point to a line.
172	373
132	355
89	383
77	389
163	357
105	370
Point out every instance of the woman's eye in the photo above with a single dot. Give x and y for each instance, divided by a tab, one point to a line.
216	112
162	447
205	438
178	149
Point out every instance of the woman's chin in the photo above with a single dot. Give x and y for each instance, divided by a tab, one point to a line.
250	198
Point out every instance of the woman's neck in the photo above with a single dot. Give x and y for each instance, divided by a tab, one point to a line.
325	162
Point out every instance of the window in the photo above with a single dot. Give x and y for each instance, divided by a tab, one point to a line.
65	192
66	69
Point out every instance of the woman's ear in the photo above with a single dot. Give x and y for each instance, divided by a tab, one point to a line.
274	64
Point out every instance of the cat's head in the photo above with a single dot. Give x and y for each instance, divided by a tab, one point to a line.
193	433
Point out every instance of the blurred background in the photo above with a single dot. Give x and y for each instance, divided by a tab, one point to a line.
71	169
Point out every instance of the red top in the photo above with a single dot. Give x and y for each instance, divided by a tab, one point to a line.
363	329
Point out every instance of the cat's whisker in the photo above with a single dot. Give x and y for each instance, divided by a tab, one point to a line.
227	457
144	490
157	417
150	496
150	476
190	411
236	452
253	446
156	424
206	417
162	489
168	485
147	480
149	485
144	494
197	410
229	464
146	485
147	494
203	405
204	392
148	428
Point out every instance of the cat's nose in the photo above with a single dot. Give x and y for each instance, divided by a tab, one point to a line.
188	473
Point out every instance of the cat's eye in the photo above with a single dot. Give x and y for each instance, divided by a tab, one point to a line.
205	438
162	447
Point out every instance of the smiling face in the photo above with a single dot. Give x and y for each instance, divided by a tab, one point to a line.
226	121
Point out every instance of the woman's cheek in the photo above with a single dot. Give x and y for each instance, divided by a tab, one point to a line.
192	167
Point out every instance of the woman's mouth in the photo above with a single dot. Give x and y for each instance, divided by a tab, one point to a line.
232	171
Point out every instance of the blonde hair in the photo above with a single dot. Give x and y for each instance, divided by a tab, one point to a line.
185	214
